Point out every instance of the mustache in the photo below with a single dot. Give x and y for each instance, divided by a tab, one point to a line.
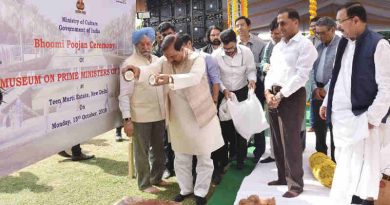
216	42
340	29
144	52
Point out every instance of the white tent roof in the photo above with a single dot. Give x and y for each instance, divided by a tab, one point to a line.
262	12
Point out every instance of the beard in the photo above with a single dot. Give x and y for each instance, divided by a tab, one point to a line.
216	42
145	54
231	53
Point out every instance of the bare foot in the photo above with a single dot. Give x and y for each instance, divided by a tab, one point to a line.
151	190
164	183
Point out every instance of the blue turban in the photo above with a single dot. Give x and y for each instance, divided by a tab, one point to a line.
139	34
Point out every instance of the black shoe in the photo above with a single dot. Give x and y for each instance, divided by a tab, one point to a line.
356	200
64	154
200	200
180	198
82	157
267	160
168	174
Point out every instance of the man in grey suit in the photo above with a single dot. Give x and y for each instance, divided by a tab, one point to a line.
322	73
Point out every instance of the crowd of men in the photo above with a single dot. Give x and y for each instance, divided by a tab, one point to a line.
173	115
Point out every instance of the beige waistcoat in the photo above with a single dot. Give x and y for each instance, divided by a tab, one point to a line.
198	96
146	103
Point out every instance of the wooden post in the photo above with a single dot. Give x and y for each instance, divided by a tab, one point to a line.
131	159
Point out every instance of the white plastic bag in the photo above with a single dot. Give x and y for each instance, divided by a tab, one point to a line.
224	114
248	116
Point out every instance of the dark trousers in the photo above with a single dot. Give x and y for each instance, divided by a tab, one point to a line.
303	139
220	157
149	150
169	154
312	116
259	138
286	123
118	131
237	144
320	129
76	150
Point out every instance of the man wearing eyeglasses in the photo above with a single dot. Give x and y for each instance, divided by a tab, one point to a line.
322	72
357	106
243	25
291	62
238	73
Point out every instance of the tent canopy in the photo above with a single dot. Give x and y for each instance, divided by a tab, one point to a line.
262	12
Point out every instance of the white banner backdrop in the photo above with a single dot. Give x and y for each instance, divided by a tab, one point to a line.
59	69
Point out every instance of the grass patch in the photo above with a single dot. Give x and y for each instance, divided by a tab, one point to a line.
57	180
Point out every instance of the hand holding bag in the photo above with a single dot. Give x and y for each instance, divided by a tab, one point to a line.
248	116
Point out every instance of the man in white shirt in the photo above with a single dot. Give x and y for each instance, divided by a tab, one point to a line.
238	73
357	106
291	62
243	25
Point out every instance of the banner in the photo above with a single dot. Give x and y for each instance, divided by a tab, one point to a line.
59	69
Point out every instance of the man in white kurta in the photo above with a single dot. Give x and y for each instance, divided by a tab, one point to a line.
358	138
193	125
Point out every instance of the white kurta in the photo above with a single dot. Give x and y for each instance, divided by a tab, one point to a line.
185	134
357	153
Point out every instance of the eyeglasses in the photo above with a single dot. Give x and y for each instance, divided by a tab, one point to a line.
338	22
229	50
321	33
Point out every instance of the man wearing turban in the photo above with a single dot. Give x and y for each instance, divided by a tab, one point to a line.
143	115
